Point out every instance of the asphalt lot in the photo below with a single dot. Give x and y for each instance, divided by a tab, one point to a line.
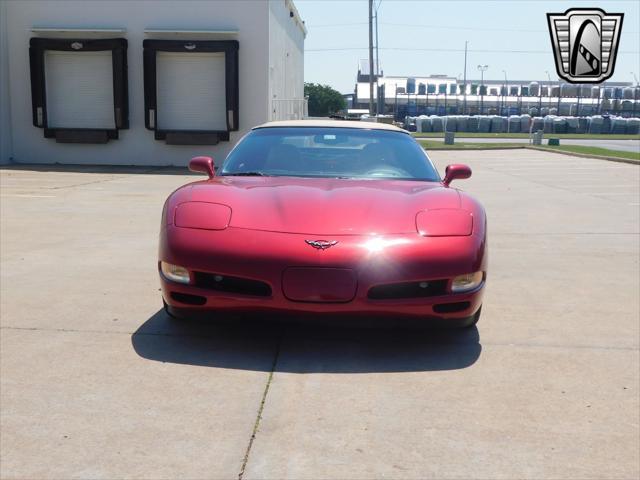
97	383
624	145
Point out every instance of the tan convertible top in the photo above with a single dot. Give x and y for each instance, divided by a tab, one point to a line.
332	123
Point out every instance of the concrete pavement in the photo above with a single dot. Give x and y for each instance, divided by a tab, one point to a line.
98	383
78	277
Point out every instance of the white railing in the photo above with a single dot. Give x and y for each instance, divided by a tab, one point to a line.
289	108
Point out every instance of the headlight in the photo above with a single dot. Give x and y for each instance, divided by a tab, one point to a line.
445	222
175	273
467	282
202	215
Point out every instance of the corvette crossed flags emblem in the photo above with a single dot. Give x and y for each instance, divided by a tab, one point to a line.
321	244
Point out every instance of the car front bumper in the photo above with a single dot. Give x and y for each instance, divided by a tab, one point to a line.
373	260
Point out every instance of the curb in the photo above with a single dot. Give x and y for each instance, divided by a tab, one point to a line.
585	155
473	148
631	136
542	149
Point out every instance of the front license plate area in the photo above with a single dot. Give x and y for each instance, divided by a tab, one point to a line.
321	285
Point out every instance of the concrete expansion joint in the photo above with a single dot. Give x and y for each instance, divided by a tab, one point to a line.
256	425
61	187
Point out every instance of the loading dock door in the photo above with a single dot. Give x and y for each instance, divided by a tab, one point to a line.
79	89
191	91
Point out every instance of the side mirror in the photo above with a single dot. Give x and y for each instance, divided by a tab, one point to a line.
202	164
457	171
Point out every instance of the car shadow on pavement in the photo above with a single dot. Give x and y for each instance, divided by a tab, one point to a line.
296	347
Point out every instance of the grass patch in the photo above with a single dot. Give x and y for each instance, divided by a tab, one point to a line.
583	136
437	145
603	152
579	149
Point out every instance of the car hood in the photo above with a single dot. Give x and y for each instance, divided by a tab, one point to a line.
324	206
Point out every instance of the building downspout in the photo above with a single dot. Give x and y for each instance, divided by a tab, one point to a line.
6	134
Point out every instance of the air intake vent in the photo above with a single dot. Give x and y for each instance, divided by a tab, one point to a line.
408	290
451	307
188	299
224	283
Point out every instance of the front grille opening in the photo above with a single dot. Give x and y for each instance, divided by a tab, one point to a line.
451	307
224	283
188	299
408	290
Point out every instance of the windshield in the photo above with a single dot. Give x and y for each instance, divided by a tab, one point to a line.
330	152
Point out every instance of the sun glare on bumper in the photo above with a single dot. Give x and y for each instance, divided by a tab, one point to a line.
378	244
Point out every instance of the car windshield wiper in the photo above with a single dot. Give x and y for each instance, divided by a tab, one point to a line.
246	174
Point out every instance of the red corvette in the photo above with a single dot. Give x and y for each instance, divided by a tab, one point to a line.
326	217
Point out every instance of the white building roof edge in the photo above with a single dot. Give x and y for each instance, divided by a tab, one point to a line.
213	31
289	4
76	30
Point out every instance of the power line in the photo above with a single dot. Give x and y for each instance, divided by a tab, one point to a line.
451	27
440	27
414	49
481	29
336	25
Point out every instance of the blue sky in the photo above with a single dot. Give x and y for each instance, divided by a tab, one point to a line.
338	38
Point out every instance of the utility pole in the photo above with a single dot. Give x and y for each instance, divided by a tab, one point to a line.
464	82
370	57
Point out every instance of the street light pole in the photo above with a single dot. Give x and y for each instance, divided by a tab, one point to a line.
635	94
371	57
548	87
540	99
482	68
464	82
506	91
559	98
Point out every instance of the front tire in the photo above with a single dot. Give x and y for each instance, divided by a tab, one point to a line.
168	311
472	320
173	314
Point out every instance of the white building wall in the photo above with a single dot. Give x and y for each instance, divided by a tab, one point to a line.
286	59
136	145
5	107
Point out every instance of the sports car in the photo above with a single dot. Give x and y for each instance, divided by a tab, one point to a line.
324	217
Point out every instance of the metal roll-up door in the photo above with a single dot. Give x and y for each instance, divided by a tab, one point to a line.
79	89
191	91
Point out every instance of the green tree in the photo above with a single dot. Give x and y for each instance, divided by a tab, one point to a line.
323	100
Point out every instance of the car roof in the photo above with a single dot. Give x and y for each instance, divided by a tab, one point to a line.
363	125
